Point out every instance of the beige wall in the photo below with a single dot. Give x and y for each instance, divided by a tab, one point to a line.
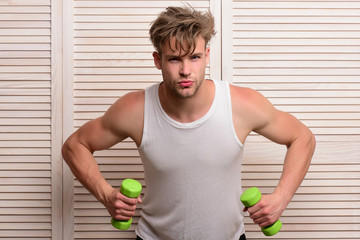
64	63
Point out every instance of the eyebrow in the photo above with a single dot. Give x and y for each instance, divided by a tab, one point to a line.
179	56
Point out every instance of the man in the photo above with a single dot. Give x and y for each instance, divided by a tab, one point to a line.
190	133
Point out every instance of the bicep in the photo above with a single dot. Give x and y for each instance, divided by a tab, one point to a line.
280	127
122	120
97	135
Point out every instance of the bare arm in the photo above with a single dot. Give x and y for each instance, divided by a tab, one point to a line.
122	120
283	128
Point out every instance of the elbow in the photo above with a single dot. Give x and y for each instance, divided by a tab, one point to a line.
310	144
312	141
66	149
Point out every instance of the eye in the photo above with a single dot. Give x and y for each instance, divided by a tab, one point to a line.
173	59
195	57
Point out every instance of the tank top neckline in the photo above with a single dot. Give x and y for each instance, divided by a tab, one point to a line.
192	124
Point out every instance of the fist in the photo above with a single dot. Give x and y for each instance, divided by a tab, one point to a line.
121	207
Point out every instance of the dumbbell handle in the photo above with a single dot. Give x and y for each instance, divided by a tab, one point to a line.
132	189
252	196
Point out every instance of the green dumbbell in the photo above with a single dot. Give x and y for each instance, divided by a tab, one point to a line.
252	196
132	189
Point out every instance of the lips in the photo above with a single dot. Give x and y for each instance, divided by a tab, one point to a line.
186	83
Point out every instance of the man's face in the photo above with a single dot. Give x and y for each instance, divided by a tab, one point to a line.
182	74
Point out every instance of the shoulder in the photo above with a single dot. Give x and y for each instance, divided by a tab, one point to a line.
251	106
126	114
131	103
248	98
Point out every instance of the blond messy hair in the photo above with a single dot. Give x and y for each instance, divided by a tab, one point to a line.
185	24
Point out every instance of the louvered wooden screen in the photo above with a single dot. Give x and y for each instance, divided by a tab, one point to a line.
112	56
305	57
302	55
25	137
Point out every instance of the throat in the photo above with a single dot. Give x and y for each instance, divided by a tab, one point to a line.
187	110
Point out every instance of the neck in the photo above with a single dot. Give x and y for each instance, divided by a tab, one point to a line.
190	109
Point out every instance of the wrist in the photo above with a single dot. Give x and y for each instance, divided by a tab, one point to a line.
283	195
103	192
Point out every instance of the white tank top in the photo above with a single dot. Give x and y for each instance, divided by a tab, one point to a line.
192	173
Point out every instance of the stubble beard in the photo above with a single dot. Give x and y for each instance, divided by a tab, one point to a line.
179	92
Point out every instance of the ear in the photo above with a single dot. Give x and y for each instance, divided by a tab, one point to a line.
207	55
157	60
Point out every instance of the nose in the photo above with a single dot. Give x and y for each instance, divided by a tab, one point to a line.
185	68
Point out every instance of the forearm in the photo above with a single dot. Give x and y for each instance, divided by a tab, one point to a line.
296	164
85	169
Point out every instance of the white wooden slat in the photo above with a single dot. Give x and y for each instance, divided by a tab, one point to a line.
318	101
22	203
24	121
24	92
32	159
25	166
113	86
24	32
310	93
24	225
27	24
124	49
39	234
295	19
29	99
30	106
28	39
111	33
296	42
296	71
125	26
25	47
114	63
298	4
111	18
297	27
138	4
119	78
296	64
297	12
24	84
25	181
25	17
297	35
25	151
30	173
113	41
25	9
24	76
27	3
30	69
295	49
26	219
298	57
297	78
28	189
25	114
117	56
